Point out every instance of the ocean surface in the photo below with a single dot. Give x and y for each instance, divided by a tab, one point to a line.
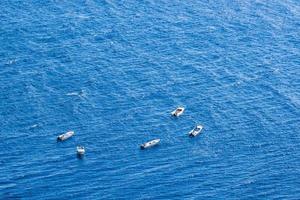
112	71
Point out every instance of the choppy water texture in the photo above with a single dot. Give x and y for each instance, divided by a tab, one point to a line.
112	71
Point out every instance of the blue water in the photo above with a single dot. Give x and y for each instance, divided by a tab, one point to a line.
112	71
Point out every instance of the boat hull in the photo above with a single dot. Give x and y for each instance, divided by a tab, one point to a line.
65	136
80	151
150	144
179	111
194	133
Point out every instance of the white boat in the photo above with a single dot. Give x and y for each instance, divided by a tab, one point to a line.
65	136
178	111
80	150
150	144
196	131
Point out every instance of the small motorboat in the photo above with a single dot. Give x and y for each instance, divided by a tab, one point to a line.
150	144
80	150
178	111
65	136
196	131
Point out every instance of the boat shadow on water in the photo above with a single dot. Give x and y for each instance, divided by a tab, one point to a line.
79	156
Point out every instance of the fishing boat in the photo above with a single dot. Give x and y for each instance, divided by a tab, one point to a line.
178	111
196	130
65	136
150	144
80	150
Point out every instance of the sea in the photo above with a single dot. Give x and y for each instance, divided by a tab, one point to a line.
113	71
